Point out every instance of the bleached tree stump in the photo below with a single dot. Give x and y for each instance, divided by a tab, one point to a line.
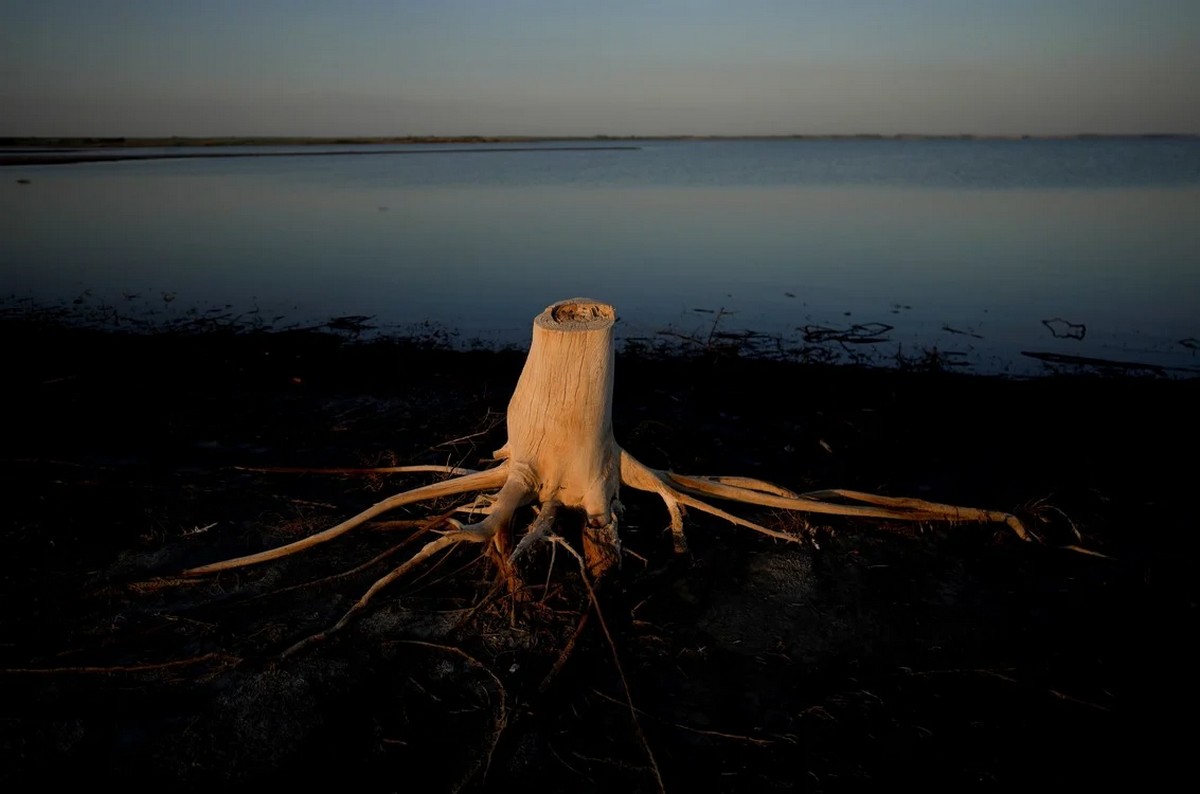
561	455
561	451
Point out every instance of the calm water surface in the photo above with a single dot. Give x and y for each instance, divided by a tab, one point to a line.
963	246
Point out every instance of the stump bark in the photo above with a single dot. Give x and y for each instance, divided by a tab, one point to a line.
561	451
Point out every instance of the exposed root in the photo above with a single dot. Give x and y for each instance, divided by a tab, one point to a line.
996	675
393	524
489	478
753	484
565	654
539	529
1084	551
679	490
423	528
519	486
161	583
449	540
633	712
637	475
455	471
737	737
887	507
226	660
499	721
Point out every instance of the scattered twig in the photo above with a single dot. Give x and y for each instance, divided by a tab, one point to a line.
500	720
425	527
633	712
449	540
435	468
565	653
491	426
998	676
129	668
716	734
162	583
960	332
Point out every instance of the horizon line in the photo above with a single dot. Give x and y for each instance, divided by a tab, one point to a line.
81	140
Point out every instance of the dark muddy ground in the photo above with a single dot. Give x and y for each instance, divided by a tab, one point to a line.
941	657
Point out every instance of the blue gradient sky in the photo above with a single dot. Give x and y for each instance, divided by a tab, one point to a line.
560	67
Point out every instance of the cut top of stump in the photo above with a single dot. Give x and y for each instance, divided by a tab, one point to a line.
577	314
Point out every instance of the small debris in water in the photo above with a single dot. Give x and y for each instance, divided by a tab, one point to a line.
1063	329
968	332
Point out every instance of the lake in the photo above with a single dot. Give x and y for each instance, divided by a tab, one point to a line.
854	249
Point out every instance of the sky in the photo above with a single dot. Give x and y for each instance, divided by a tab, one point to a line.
612	67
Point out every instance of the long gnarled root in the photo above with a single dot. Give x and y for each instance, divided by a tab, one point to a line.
679	490
480	480
518	486
447	541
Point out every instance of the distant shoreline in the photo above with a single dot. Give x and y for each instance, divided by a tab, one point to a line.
17	151
90	142
43	156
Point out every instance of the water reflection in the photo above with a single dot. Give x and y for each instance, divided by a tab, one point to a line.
971	270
